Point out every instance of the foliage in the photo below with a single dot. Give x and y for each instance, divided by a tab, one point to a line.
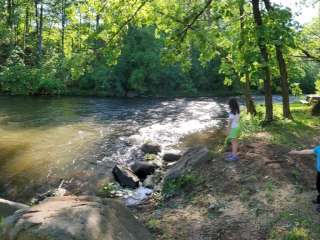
107	190
152	48
178	185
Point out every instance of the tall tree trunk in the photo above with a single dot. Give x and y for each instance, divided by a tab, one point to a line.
39	27
247	93
63	24
10	13
79	30
97	21
265	59
26	27
283	73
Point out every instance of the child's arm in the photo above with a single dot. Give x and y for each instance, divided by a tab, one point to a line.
302	152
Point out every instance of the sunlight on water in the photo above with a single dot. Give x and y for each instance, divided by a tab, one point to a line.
79	140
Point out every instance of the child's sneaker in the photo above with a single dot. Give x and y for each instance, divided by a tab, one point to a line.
232	158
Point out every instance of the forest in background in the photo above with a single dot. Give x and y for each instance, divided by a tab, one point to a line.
156	48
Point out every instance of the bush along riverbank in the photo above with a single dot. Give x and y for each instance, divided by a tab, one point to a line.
265	195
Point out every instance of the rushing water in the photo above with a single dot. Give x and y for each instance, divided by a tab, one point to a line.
45	140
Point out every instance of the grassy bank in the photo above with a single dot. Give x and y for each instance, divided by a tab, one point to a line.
266	195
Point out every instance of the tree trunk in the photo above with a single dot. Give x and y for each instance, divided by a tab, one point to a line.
26	27
251	108
247	94
63	25
283	73
39	27
265	60
10	13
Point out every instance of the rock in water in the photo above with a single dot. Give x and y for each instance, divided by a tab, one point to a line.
125	177
143	169
8	208
151	148
153	180
74	218
171	157
190	159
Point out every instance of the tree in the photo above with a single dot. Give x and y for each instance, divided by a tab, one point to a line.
282	66
265	59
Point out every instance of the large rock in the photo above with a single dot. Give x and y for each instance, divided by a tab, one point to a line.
8	208
125	177
189	160
153	180
171	156
143	169
151	148
74	218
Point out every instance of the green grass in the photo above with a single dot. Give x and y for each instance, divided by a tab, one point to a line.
291	133
294	225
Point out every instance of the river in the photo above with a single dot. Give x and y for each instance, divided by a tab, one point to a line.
45	140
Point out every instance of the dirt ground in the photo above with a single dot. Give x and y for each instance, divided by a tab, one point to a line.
265	195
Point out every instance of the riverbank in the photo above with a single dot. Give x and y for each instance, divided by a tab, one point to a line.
266	195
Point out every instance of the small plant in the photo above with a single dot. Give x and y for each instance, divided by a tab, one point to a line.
244	195
153	224
297	233
150	157
107	190
180	184
269	188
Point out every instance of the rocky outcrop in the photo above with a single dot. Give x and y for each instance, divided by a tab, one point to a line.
189	160
125	177
171	156
143	169
151	148
8	208
74	218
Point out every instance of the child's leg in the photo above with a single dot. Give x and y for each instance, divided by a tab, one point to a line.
318	187
234	143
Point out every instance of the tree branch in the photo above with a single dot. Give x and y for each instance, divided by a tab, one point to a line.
309	55
127	21
190	25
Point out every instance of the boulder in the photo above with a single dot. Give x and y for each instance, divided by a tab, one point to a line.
125	177
153	180
171	156
151	148
189	160
8	208
143	169
74	218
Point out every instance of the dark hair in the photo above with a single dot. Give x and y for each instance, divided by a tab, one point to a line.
234	106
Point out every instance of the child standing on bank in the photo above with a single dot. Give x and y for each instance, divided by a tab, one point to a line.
315	151
233	129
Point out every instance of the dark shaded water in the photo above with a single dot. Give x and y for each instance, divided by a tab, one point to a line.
44	140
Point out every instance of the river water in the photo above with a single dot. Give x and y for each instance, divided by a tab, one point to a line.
79	140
